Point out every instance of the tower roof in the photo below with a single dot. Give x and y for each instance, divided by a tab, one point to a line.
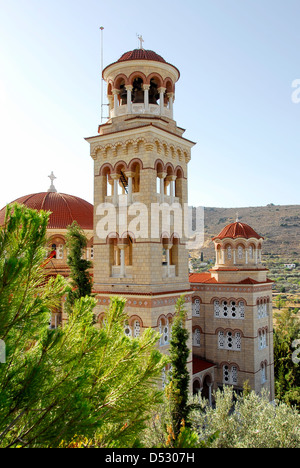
141	54
65	209
238	230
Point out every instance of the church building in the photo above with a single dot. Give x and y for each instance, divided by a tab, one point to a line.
137	239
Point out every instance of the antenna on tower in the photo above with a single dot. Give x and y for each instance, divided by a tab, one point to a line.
102	80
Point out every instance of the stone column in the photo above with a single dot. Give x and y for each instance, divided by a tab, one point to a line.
111	102
210	393
168	248
122	252
115	178
172	191
223	255
146	88
161	99
129	89
171	100
162	176
116	101
217	256
130	176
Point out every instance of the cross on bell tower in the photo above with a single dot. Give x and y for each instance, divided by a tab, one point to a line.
140	38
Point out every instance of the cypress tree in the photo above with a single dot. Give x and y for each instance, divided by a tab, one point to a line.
179	383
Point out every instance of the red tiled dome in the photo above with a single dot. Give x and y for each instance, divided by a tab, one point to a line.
237	229
141	54
65	209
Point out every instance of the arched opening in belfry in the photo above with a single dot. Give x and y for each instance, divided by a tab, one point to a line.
179	184
108	183
153	91
114	253
123	94
135	169
137	91
169	183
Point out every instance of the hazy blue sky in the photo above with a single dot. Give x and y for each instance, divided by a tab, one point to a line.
237	58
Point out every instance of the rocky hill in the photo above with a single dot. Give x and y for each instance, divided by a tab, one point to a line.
279	225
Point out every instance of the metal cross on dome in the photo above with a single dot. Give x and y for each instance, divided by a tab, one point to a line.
52	178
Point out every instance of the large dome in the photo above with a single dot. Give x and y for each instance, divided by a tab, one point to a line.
141	54
238	230
65	209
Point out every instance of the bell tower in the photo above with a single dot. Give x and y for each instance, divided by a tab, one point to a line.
140	195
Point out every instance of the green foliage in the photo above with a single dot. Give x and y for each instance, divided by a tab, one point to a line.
81	382
178	388
79	267
287	372
251	422
280	302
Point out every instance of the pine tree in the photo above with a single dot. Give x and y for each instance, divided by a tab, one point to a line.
79	382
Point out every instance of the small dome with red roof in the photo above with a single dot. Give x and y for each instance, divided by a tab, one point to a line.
141	54
238	230
65	209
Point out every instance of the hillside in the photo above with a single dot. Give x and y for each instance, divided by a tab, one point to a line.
279	225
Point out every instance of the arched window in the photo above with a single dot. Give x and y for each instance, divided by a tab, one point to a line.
135	169
262	339
127	329
230	375
60	252
263	372
240	252
262	308
241	309
196	308
179	183
251	252
133	330
164	331
136	328
229	340
108	183
53	248
229	252
197	338
217	308
229	309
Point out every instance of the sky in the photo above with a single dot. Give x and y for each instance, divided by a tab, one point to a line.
239	61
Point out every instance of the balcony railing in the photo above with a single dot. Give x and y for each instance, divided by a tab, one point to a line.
153	109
